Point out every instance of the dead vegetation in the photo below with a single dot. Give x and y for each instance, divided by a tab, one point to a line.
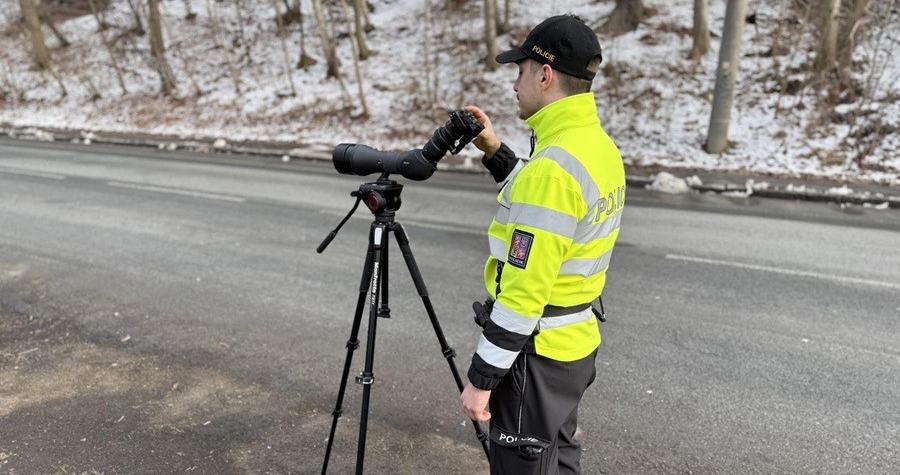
222	68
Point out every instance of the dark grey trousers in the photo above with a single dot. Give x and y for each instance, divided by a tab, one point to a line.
534	414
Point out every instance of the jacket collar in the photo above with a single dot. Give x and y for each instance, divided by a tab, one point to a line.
578	110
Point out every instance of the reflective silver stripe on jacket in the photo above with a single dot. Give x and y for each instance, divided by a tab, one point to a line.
511	321
498	248
574	167
586	267
589	232
543	218
547	323
494	355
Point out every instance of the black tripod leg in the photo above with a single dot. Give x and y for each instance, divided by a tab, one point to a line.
379	254
352	344
384	309
447	351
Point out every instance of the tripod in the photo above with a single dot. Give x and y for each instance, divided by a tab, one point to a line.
383	199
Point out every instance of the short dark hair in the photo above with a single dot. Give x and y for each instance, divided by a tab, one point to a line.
572	85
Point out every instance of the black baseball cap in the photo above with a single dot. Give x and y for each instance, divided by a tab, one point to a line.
564	42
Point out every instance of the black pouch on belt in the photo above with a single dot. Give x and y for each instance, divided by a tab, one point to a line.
483	311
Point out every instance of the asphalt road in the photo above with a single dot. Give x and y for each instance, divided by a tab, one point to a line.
169	313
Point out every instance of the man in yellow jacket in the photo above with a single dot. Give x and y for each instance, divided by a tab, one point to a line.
550	247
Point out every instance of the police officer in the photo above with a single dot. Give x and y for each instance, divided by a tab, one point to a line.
550	246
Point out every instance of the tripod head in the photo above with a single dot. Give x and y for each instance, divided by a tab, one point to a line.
382	197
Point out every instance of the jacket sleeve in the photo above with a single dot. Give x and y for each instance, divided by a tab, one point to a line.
503	338
501	164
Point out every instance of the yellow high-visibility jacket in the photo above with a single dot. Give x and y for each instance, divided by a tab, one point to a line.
553	236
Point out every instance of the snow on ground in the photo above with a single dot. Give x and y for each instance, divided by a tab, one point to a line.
426	61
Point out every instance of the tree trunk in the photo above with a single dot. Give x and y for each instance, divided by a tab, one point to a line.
287	62
826	53
503	20
239	8
214	22
327	44
846	43
364	115
729	58
109	49
305	60
490	34
158	48
626	17
701	30
39	50
359	15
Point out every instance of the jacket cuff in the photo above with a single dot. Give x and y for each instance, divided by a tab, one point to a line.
484	380
501	164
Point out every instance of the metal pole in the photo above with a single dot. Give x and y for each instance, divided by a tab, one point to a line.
729	59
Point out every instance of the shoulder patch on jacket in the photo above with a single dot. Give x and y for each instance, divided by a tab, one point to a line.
519	248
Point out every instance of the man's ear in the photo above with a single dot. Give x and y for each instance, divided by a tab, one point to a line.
546	76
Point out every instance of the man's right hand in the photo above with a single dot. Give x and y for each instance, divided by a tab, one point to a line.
474	403
487	140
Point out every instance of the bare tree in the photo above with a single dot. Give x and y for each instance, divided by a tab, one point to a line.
368	26
39	51
701	30
158	48
184	59
778	47
826	52
214	22
729	57
62	86
284	49
356	58
503	23
490	33
359	16
305	60
849	29
626	17
108	45
239	9
327	43
430	58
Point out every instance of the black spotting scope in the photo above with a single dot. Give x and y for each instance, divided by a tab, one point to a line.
417	164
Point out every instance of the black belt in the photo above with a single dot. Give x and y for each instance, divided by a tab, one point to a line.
555	311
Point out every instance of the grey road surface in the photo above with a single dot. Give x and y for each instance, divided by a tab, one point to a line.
745	336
